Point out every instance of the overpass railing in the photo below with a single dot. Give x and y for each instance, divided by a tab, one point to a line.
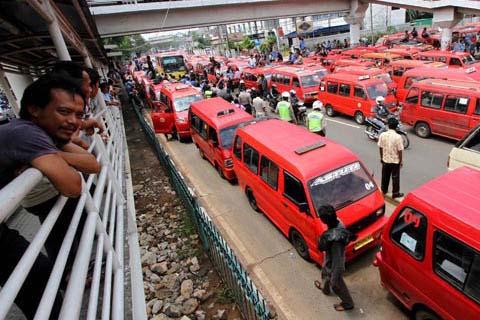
104	207
247	297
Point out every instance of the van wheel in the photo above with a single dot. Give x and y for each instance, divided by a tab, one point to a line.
220	171
201	153
359	117
425	314
176	135
329	110
299	244
422	130
252	201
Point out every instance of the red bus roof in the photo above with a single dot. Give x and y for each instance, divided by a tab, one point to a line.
220	113
284	138
417	63
462	86
340	76
443	53
178	89
298	71
359	70
456	194
453	74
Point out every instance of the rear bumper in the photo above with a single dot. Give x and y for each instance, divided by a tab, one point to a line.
229	173
374	231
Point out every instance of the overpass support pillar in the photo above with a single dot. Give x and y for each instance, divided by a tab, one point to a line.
446	18
56	34
355	20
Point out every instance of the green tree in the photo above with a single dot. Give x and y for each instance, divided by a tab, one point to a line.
200	41
128	44
247	43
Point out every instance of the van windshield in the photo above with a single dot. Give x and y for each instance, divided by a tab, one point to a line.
183	103
341	186
385	77
376	90
226	136
309	81
468	60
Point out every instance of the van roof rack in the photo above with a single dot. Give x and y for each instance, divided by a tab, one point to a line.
453	86
225	112
311	147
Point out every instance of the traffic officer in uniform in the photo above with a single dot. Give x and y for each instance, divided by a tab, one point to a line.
316	119
284	109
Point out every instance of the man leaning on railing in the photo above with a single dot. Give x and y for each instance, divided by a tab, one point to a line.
52	110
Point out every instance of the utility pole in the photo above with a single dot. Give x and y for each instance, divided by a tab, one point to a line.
228	42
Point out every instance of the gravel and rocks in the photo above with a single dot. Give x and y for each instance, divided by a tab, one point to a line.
180	281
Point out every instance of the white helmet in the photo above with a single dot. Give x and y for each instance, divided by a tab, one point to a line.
293	92
379	99
285	94
317	105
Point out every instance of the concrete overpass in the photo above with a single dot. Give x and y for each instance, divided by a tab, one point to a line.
114	20
121	19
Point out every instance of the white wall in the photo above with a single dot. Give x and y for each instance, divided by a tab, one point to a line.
18	83
384	16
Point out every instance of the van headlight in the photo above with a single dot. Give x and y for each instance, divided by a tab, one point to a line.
380	212
228	162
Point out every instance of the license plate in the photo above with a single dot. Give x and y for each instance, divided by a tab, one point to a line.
362	243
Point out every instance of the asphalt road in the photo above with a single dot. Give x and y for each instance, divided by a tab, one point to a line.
281	275
423	160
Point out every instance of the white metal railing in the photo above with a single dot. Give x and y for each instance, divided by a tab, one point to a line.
105	211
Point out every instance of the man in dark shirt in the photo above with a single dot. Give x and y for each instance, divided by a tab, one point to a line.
333	242
52	109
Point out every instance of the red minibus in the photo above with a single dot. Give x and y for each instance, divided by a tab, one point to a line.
372	72
171	109
450	58
288	172
212	124
430	254
304	82
448	108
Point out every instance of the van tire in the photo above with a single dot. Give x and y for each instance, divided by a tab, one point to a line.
329	110
201	153
425	314
251	200
422	130
299	244
359	117
219	170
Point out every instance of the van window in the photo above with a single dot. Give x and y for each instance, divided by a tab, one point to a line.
412	96
203	129
344	90
296	82
431	100
269	172
286	80
359	92
457	264
398	72
477	107
212	135
250	158
442	59
195	121
237	148
455	62
332	87
274	77
409	231
473	141
293	189
456	104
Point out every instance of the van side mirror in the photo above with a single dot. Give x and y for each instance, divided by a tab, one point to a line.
303	207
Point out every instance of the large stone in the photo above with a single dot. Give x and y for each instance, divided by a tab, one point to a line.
199	294
161	317
195	265
186	288
200	315
173	311
157	306
137	187
160	268
185	318
155	278
221	315
189	306
149	258
170	281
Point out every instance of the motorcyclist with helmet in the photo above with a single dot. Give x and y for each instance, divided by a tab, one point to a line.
316	119
284	109
294	102
381	112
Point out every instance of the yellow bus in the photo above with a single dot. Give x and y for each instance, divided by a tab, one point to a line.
171	64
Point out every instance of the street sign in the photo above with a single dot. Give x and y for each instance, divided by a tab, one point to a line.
114	54
304	26
110	46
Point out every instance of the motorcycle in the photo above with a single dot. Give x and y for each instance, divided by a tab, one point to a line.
376	126
301	113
